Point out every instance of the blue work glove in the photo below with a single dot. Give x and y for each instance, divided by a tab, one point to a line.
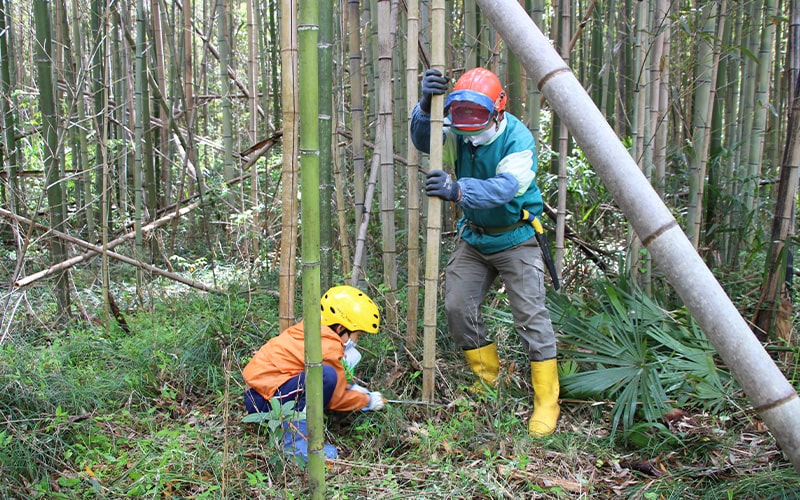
439	183
376	402
432	83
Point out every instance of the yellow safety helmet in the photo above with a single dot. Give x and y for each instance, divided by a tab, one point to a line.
350	307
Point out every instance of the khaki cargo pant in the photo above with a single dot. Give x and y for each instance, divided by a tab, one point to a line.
470	274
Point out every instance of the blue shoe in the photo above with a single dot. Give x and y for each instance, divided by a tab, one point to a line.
296	444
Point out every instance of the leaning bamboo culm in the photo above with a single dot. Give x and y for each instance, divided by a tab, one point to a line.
768	390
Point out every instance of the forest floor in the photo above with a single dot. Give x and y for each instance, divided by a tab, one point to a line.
156	412
478	447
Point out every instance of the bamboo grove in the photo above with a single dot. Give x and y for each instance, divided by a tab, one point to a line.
137	130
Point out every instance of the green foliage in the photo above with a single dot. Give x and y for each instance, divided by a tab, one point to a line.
92	413
635	353
277	415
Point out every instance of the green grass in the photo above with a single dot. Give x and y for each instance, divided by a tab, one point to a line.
91	412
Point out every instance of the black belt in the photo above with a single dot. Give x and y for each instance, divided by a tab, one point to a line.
495	229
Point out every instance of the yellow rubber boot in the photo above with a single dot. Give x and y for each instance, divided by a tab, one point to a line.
544	375
484	363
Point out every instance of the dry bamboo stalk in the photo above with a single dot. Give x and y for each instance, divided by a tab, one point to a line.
124	258
361	238
96	249
434	230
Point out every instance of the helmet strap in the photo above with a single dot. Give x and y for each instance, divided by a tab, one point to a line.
339	329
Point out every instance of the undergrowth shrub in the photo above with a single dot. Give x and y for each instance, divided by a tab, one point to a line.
626	348
157	412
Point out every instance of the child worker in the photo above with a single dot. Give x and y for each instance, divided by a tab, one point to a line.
277	370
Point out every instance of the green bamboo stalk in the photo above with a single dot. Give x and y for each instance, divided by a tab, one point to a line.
471	32
274	58
561	139
50	136
140	82
326	131
597	76
660	81
149	182
534	97
8	106
369	11
308	37
88	207
161	134
732	136
610	102
705	76
627	71
513	85
121	74
793	51
97	61
745	187
762	106
708	60
776	288
101	84
640	137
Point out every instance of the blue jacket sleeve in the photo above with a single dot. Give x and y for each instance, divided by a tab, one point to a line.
479	194
421	129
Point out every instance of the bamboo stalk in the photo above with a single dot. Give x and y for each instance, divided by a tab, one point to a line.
385	141
434	230
124	258
772	396
361	237
289	174
94	250
413	194
308	142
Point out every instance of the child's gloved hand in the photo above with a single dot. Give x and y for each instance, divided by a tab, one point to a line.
356	387
376	402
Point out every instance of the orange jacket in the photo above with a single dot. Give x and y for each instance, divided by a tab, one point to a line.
283	357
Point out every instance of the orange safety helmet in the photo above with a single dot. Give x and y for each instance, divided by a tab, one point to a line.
478	97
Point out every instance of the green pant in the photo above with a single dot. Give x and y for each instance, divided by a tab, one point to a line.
469	276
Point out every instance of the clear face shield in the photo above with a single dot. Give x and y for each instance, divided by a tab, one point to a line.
469	112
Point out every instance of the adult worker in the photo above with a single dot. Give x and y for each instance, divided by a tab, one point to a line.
277	370
493	157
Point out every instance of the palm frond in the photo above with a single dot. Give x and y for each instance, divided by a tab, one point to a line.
636	353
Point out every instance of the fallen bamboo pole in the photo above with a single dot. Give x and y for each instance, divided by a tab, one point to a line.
96	250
